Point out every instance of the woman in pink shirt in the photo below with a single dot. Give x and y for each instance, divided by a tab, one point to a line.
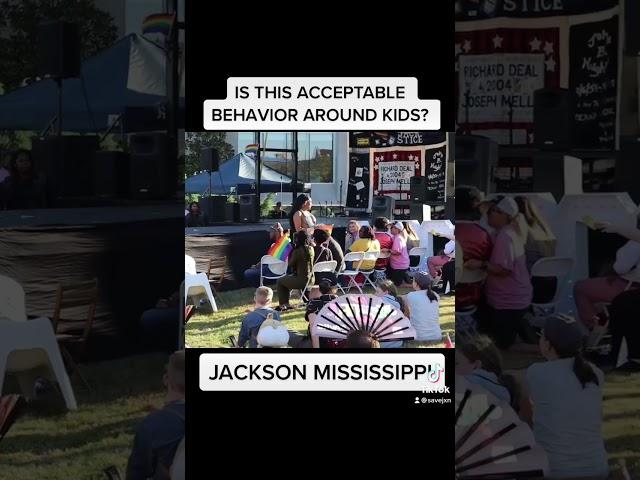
508	286
399	260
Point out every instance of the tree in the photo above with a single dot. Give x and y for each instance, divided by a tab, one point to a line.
19	22
196	141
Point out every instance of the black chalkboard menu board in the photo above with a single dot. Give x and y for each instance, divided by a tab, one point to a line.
593	83
436	173
358	187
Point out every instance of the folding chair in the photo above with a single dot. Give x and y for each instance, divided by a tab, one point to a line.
80	295
381	273
550	267
369	257
356	258
216	279
278	268
417	252
320	267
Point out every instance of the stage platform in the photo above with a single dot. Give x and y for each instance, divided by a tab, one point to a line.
263	225
134	252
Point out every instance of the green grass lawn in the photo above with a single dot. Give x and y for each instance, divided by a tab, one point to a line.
213	330
47	442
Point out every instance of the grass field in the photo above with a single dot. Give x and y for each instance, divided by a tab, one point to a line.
47	442
213	330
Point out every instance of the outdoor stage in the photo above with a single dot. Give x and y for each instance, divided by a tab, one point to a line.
244	244
134	252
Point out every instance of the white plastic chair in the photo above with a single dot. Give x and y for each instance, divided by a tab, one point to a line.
418	252
278	268
28	344
551	267
321	267
369	257
177	470
12	303
196	283
352	273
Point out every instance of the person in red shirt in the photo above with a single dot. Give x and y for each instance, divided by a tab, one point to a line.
385	239
475	241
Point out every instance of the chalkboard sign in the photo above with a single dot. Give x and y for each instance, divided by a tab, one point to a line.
359	183
436	173
593	83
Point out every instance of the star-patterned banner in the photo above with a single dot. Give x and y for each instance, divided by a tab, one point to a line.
499	65
388	170
393	169
498	70
479	9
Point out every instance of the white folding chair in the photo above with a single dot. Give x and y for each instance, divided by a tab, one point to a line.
196	283
277	267
369	257
550	267
381	273
417	252
321	267
27	346
352	273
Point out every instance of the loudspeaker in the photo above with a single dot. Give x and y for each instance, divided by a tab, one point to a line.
67	167
210	159
383	207
418	189
153	173
557	173
214	208
420	212
111	174
58	50
475	160
628	167
631	31
247	208
552	118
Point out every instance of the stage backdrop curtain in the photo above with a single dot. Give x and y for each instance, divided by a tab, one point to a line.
504	54
382	163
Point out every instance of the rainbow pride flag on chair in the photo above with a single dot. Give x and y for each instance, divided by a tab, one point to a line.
281	249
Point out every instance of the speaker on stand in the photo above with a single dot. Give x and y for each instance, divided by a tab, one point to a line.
383	206
247	209
153	175
58	50
111	174
552	126
476	158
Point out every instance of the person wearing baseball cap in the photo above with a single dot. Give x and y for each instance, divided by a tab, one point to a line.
436	264
508	286
399	260
566	395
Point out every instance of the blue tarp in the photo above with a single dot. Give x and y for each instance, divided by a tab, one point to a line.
238	170
108	77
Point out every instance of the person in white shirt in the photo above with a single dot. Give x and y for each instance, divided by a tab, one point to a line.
599	290
566	397
422	306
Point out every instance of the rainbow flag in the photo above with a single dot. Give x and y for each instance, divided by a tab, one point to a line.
251	150
281	249
158	23
326	228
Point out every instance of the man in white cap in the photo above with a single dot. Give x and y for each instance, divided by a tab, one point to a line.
508	286
399	260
